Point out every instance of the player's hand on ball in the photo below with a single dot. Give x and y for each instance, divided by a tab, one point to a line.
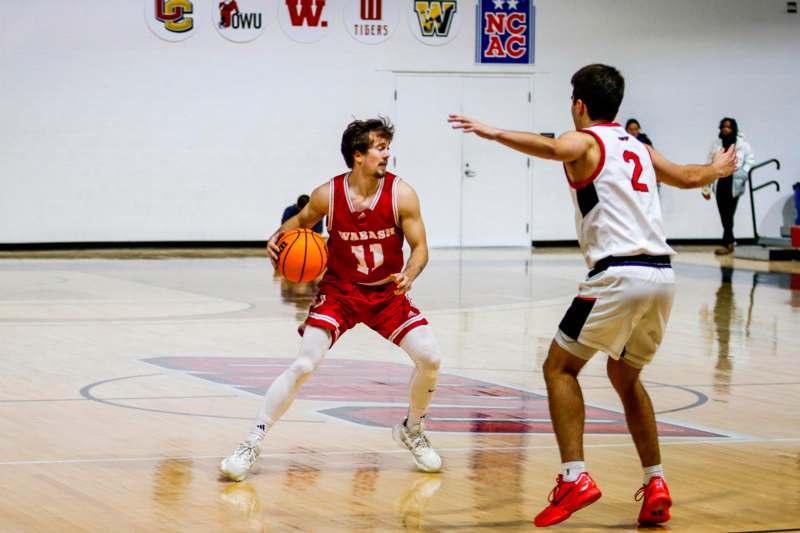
272	247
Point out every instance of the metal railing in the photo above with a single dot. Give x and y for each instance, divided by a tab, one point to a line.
754	189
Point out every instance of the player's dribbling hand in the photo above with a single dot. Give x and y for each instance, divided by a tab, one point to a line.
460	122
725	161
272	247
403	282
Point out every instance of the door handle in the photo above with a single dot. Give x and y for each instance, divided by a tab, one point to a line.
468	172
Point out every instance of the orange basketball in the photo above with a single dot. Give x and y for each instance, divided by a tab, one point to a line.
303	255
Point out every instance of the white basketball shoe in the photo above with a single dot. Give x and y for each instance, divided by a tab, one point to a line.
415	441
236	466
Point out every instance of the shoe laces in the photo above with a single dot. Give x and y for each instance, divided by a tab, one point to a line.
419	440
552	496
640	493
247	450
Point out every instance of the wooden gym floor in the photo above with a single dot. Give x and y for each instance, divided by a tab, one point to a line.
123	381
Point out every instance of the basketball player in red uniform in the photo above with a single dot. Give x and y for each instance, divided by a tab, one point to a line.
624	303
370	213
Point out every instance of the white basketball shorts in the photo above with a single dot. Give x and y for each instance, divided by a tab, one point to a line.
622	311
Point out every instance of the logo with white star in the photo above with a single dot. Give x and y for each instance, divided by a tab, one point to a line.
505	31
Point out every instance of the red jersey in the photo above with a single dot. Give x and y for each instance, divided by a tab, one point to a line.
364	246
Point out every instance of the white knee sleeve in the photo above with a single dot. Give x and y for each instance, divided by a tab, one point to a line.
313	348
420	345
282	391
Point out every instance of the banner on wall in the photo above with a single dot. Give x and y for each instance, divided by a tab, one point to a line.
371	21
305	21
505	31
172	20
240	21
435	22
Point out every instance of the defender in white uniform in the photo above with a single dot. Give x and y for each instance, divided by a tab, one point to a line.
623	305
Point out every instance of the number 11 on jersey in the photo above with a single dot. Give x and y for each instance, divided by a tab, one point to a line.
377	257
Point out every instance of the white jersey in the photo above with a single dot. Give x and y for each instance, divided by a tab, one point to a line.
617	210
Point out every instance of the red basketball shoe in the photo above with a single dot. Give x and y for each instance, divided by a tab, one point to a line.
656	504
566	498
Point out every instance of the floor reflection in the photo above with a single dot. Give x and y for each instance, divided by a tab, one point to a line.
410	507
365	510
242	501
725	315
365	477
497	475
300	295
302	475
171	479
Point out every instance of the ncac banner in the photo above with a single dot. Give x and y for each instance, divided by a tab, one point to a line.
505	31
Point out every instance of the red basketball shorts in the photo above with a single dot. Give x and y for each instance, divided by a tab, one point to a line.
340	305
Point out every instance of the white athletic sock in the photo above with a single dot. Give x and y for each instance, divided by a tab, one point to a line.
282	391
653	471
571	470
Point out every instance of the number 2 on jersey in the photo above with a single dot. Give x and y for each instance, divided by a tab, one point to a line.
629	156
377	257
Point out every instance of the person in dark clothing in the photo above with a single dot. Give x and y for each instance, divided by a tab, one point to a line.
634	128
730	188
293	209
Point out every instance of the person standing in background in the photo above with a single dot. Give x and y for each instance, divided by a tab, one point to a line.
633	127
729	188
293	209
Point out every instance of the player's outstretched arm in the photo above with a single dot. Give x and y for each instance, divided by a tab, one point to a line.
414	231
314	210
569	147
723	163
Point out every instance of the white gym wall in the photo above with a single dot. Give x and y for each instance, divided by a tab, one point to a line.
108	133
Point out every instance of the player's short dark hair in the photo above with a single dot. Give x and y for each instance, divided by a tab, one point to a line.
601	88
302	200
356	136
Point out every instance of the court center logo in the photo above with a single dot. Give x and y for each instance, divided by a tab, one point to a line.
371	21
171	20
435	22
240	20
304	21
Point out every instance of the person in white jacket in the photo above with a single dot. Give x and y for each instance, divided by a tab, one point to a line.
729	189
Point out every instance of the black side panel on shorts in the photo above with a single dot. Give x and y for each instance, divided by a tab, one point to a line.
587	198
575	317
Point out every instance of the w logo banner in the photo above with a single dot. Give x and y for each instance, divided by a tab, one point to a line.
504	31
303	20
172	20
435	21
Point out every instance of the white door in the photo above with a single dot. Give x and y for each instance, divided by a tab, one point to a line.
426	152
473	192
495	207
